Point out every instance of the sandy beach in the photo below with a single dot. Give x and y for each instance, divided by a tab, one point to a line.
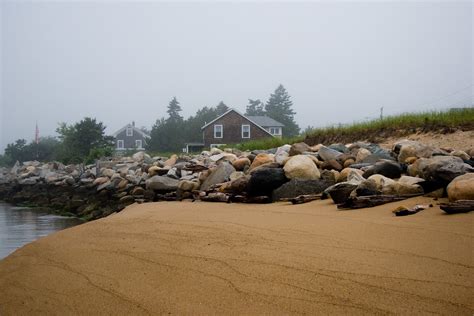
213	258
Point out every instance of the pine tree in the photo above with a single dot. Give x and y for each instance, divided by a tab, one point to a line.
173	111
221	108
279	108
255	108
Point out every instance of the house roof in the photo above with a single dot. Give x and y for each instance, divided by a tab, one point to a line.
134	128
265	121
246	117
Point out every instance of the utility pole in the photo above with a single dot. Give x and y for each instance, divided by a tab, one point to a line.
381	113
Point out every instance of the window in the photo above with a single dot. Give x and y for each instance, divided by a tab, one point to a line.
275	130
138	143
120	144
129	131
218	131
245	131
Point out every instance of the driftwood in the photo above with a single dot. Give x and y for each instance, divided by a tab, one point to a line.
300	199
262	199
215	197
372	200
461	206
403	211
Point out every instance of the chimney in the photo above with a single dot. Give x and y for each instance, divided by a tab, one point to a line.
133	123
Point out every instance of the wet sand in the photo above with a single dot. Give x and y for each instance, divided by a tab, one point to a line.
213	258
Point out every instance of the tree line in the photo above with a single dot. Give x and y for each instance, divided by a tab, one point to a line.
85	141
179	131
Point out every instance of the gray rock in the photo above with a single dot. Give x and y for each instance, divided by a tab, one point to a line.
219	175
327	154
161	183
296	187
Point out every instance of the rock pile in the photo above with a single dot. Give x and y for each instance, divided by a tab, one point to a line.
346	173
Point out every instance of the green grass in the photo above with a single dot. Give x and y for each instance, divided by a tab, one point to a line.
377	130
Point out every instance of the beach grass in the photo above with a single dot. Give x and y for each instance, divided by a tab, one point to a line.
377	129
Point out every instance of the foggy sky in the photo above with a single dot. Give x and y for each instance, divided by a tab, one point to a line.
124	61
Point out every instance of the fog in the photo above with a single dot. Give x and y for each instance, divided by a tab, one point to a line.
123	61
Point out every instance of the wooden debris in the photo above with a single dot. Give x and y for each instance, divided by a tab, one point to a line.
461	206
215	197
262	199
372	200
404	211
300	199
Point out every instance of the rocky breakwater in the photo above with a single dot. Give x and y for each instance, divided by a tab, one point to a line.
353	175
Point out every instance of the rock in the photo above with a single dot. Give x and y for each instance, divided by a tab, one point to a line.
387	168
265	180
339	147
261	159
154	170
408	148
219	175
362	153
301	167
235	175
365	188
298	149
108	173
241	164
296	187
340	192
139	156
100	180
161	183
332	164
461	154
349	162
345	173
105	185
439	168
461	188
138	191
186	185
127	200
171	161
282	154
238	185
381	181
327	154
215	151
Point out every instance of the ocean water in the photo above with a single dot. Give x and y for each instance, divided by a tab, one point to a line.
20	225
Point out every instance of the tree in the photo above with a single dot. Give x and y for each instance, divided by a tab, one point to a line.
221	108
173	111
79	140
45	150
255	108
279	108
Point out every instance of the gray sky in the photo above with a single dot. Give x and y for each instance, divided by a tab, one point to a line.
124	61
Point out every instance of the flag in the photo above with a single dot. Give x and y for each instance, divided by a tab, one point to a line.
37	134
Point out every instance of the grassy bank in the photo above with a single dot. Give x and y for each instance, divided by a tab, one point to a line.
377	130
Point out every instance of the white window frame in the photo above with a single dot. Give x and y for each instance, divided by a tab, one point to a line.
138	141
216	145
120	144
215	130
129	131
276	130
242	129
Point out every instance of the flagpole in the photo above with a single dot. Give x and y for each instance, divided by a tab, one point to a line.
37	139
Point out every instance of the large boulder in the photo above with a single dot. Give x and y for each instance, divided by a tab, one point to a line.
461	188
296	187
265	180
387	168
439	168
219	175
301	167
241	164
409	148
161	183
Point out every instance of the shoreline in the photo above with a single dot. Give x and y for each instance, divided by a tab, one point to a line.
276	258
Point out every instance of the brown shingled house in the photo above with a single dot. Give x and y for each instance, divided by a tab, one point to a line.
233	127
